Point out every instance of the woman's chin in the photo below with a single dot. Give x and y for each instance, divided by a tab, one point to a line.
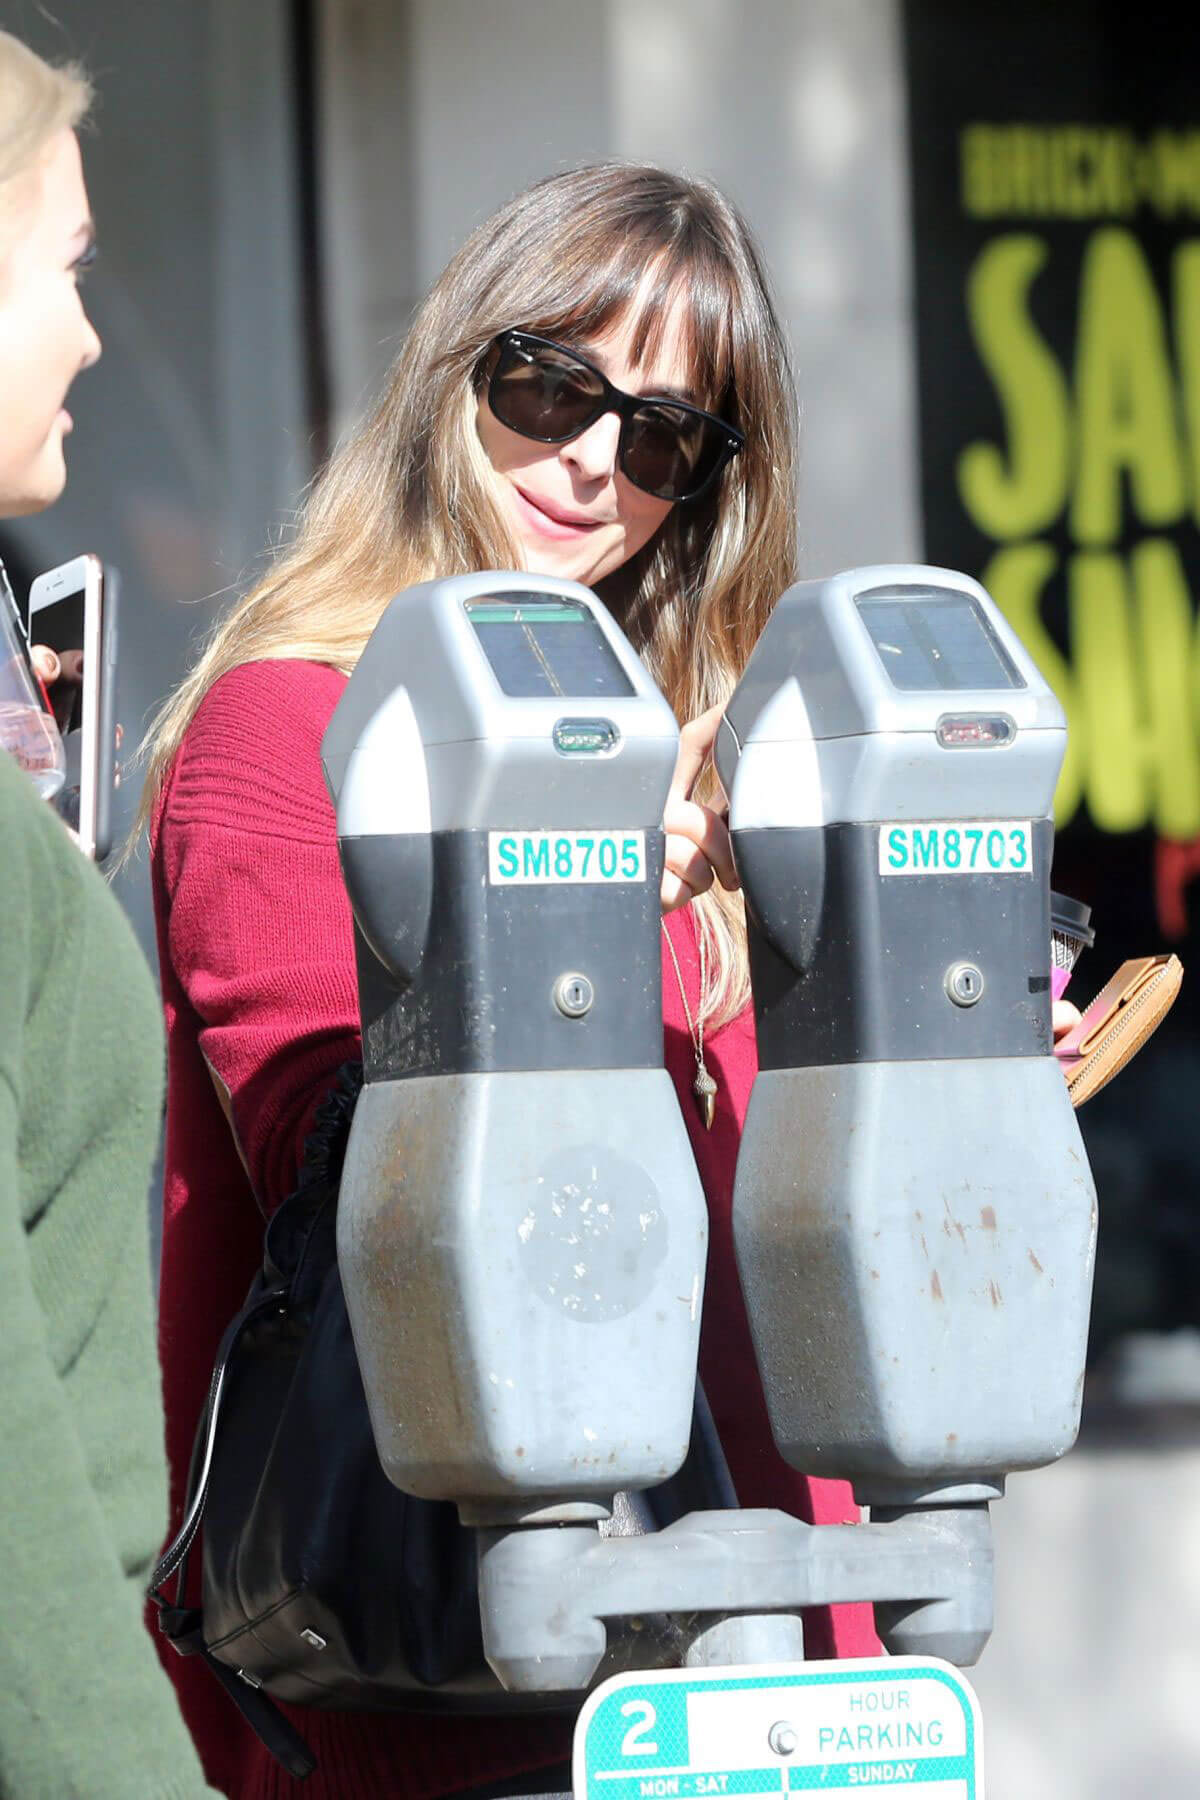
36	486
550	559
23	503
568	562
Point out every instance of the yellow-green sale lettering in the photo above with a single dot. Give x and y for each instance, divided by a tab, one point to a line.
1095	449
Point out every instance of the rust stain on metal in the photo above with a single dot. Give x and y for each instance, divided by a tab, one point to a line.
935	1286
1037	1265
987	1218
997	1296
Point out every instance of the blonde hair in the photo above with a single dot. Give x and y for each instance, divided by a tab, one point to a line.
411	494
37	101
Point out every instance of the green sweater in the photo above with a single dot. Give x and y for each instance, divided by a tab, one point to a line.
85	1709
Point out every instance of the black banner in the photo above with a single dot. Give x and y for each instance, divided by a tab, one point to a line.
1056	202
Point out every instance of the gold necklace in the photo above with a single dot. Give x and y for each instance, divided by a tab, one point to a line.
704	1087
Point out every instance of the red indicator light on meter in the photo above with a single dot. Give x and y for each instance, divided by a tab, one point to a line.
974	729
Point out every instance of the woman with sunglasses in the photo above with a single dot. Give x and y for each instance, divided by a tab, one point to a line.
596	388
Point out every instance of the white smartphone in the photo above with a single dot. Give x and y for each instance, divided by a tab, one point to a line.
72	610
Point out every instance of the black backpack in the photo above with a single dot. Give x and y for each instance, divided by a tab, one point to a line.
324	1585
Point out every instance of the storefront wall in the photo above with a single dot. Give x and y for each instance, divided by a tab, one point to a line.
435	112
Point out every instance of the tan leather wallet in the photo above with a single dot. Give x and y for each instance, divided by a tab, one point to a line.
1128	1009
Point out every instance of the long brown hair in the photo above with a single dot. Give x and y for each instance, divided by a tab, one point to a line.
411	494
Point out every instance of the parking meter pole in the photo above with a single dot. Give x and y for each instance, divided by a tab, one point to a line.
734	1638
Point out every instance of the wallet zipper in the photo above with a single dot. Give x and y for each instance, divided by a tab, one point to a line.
1131	1006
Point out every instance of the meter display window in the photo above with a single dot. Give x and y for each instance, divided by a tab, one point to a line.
934	642
538	648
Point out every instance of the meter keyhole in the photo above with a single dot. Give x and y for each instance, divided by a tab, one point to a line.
573	995
964	983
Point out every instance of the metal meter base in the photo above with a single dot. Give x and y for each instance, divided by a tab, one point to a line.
545	1594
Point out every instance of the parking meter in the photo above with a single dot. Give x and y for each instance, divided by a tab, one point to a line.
521	1229
913	1211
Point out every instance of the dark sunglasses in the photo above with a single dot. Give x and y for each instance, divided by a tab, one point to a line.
666	447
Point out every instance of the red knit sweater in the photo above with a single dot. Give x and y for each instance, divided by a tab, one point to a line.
255	943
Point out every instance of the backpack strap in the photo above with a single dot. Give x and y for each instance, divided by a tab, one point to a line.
183	1626
173	1560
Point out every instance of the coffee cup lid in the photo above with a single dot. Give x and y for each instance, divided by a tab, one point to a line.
1072	917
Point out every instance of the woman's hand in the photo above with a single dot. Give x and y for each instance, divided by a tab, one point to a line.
698	849
46	662
61	672
1066	1017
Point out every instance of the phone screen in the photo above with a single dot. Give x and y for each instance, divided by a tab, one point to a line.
60	627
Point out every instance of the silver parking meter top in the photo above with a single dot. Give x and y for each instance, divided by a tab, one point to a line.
913	1212
488	691
521	1229
852	663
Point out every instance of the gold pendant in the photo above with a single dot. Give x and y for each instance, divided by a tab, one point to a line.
705	1090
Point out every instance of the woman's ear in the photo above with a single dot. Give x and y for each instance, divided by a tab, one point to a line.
485	367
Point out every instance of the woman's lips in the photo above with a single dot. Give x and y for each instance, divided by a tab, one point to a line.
552	524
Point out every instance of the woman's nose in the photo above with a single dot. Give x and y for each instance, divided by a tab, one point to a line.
594	452
91	344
